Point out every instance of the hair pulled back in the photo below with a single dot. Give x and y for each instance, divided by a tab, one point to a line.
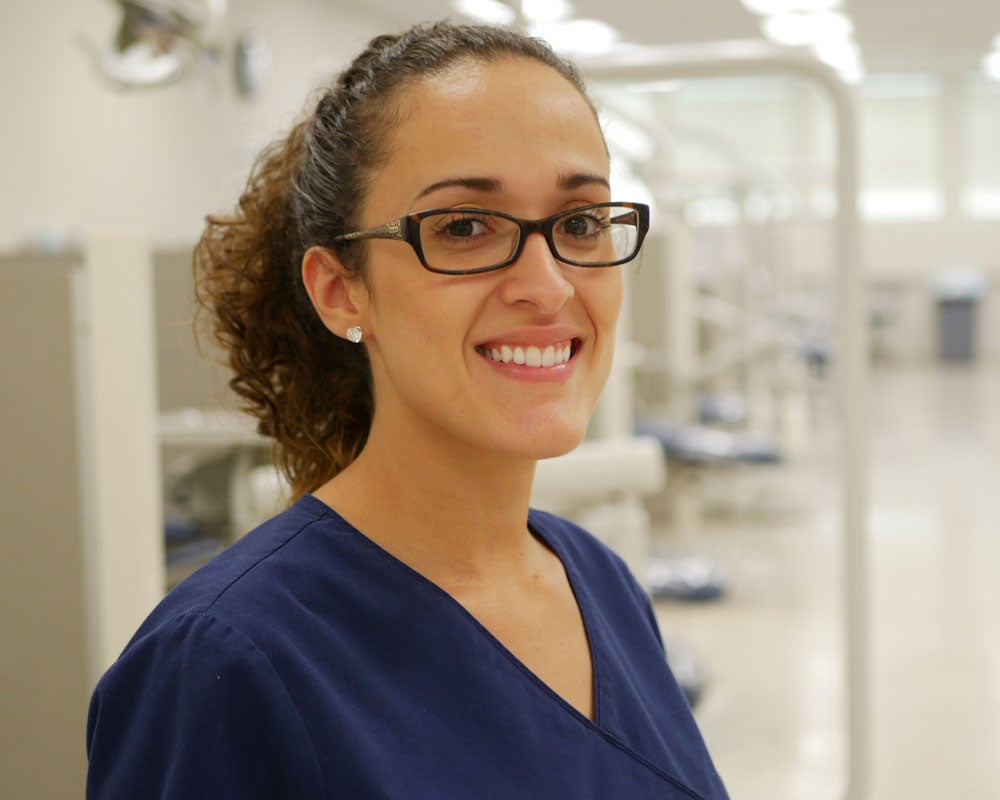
310	390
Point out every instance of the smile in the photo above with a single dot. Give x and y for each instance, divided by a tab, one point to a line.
551	355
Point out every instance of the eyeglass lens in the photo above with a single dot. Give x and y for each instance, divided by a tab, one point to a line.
465	240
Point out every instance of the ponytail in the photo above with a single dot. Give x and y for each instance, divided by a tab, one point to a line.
309	390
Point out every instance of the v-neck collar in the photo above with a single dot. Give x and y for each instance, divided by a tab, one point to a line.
583	602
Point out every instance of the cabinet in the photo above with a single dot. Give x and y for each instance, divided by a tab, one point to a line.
79	489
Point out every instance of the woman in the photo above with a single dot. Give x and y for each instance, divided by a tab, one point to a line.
407	629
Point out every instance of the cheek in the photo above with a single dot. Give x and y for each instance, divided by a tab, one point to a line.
617	294
398	301
610	310
606	295
419	326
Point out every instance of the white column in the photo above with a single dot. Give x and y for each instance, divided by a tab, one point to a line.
119	467
680	303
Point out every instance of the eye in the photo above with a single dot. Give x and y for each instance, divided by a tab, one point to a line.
462	227
580	225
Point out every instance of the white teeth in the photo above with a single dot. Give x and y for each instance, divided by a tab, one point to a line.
531	356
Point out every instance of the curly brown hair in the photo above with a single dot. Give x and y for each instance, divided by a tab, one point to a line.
310	390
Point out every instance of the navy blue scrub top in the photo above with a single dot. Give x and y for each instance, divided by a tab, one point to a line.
307	662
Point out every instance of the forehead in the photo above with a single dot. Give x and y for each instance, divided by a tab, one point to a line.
516	120
470	80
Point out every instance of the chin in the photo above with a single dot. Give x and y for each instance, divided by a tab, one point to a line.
536	446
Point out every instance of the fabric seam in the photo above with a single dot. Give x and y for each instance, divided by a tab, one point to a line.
251	567
274	672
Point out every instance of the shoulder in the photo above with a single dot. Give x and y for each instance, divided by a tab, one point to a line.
258	559
240	604
216	619
208	659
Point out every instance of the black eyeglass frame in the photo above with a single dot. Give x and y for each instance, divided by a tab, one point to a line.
407	229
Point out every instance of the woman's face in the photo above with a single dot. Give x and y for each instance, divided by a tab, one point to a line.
511	136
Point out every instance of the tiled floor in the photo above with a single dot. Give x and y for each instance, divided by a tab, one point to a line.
773	712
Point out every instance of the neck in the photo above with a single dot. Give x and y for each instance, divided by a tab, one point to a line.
453	515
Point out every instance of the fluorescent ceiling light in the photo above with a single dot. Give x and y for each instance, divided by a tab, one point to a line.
982	203
991	65
491	11
794	28
838	51
579	36
901	204
844	56
771	7
852	73
546	10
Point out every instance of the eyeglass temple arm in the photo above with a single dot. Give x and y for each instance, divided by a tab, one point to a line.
391	230
628	218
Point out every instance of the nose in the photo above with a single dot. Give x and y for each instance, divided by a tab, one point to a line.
537	278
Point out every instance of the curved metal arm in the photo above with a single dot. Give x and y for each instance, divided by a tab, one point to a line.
734	59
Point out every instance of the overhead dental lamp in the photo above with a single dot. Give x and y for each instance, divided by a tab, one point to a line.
160	41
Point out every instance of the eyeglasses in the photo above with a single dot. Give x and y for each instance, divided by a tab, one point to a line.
467	241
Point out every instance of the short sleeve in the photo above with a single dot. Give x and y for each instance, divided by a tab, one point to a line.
194	710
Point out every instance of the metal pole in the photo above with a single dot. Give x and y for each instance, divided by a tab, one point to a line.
732	59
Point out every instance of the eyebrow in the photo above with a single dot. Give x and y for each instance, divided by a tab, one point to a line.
493	185
576	180
496	186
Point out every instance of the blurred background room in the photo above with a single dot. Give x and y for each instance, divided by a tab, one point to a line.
797	448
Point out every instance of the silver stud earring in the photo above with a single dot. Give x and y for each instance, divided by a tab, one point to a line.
355	334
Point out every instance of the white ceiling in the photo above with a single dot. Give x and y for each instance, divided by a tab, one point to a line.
894	35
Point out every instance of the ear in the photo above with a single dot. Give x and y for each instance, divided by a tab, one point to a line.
341	301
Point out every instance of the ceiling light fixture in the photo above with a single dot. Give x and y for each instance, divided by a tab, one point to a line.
771	7
159	41
493	12
829	34
546	10
991	65
844	56
795	28
588	37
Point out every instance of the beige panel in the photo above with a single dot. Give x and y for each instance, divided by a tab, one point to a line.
189	374
43	671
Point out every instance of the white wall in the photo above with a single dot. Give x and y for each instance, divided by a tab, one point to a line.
78	158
